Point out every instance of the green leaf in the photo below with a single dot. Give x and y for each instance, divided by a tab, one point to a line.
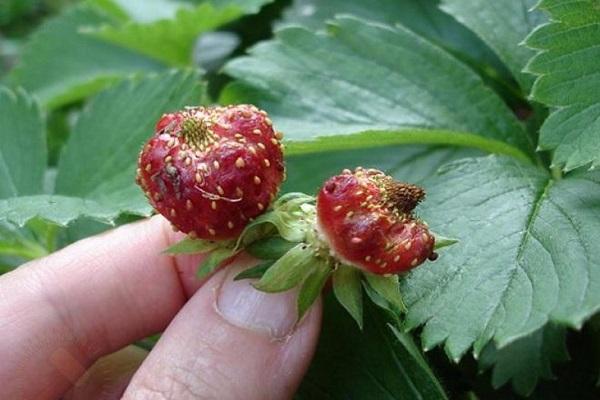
369	364
97	168
287	77
523	260
170	40
61	65
567	68
502	24
347	290
408	163
255	272
191	246
527	359
270	248
442	241
421	16
60	210
141	11
99	161
213	261
289	271
11	11
388	288
312	286
23	150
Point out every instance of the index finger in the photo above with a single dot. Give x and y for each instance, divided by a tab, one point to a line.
60	313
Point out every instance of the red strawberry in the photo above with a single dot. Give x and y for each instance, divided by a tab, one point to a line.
365	217
210	170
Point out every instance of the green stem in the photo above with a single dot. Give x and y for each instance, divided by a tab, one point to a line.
556	173
378	138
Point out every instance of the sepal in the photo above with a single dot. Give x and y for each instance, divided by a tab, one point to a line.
443	241
289	271
311	286
213	261
347	290
385	291
192	246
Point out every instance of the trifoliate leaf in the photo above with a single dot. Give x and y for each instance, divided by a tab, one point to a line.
347	290
213	261
289	271
567	67
192	246
387	287
525	256
312	286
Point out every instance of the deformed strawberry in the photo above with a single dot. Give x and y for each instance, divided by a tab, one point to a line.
365	218
361	233
211	170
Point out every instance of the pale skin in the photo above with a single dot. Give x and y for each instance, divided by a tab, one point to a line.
68	321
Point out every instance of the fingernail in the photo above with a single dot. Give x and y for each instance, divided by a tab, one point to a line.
272	314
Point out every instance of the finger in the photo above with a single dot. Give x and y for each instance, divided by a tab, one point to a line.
108	377
59	314
230	342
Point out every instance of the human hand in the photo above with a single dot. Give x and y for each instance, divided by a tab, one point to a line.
222	339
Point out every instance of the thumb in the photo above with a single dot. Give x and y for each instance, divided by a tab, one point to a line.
230	341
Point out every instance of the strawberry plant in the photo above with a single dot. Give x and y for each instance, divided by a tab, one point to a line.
490	108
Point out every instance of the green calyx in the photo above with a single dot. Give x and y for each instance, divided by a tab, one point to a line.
295	256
